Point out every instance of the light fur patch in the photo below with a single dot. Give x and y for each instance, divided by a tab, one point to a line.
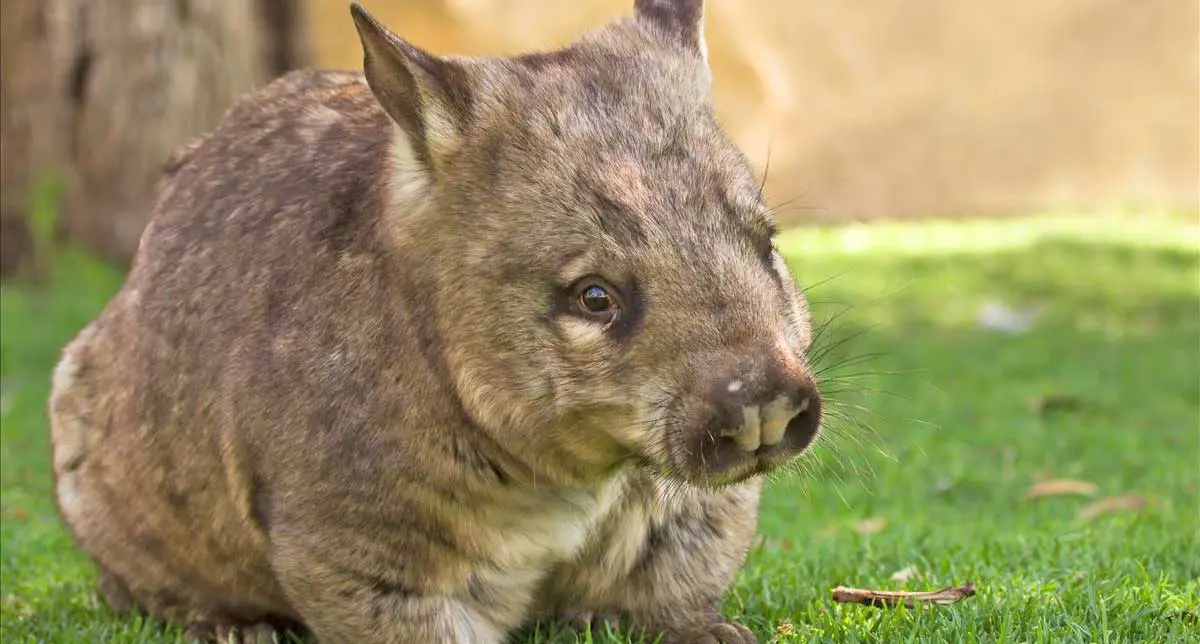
315	122
553	529
441	135
583	335
625	180
628	539
467	625
408	179
797	332
68	431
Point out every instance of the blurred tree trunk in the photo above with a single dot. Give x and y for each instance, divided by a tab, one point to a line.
97	94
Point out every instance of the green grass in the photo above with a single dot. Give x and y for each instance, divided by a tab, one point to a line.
937	429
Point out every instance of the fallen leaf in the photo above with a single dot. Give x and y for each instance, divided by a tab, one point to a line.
1123	502
1060	487
785	628
870	526
890	598
908	572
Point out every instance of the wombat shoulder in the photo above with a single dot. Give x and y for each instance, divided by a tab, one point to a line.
299	162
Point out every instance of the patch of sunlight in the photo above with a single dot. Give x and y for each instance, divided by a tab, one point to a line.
943	237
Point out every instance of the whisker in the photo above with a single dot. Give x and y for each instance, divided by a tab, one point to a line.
766	170
823	352
808	287
850	362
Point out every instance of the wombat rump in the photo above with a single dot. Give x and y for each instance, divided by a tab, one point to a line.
425	353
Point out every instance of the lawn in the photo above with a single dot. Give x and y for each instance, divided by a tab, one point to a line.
939	426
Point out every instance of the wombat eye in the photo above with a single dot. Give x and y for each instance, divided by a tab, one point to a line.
596	300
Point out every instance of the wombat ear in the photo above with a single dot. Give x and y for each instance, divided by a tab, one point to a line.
682	20
427	96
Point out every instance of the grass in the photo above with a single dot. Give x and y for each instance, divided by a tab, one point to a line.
939	429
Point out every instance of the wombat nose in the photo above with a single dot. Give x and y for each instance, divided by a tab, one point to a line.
786	422
780	420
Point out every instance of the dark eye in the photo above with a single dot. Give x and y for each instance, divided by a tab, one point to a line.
595	299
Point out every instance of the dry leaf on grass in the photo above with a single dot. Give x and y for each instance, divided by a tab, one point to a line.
890	598
870	526
908	572
1060	487
1123	502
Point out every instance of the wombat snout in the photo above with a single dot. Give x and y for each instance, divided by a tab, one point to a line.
759	421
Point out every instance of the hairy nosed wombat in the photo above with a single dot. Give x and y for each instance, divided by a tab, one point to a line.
421	354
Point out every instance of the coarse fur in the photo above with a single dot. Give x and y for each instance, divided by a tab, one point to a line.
422	353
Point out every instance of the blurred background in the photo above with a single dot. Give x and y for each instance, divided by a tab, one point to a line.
888	109
992	205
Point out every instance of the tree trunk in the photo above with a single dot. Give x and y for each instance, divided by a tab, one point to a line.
96	94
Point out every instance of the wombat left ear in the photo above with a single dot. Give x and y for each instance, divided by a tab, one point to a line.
427	96
681	20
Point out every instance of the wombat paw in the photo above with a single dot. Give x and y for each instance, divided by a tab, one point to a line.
585	621
717	632
207	633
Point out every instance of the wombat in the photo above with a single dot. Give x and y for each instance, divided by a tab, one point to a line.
429	352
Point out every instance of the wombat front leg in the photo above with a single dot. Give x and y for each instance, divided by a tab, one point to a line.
349	593
663	561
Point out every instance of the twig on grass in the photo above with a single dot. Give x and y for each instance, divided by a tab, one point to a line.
891	598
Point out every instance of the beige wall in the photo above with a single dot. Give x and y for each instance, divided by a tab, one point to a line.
904	108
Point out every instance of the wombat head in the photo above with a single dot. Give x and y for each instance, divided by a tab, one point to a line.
606	285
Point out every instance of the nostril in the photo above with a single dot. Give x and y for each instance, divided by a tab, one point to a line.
802	428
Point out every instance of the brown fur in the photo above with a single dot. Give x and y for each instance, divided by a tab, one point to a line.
349	384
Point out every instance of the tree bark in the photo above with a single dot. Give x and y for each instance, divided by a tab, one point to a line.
97	94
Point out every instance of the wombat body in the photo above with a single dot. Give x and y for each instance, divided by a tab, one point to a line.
425	353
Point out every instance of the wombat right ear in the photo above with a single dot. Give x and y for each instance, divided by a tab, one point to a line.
427	96
682	19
